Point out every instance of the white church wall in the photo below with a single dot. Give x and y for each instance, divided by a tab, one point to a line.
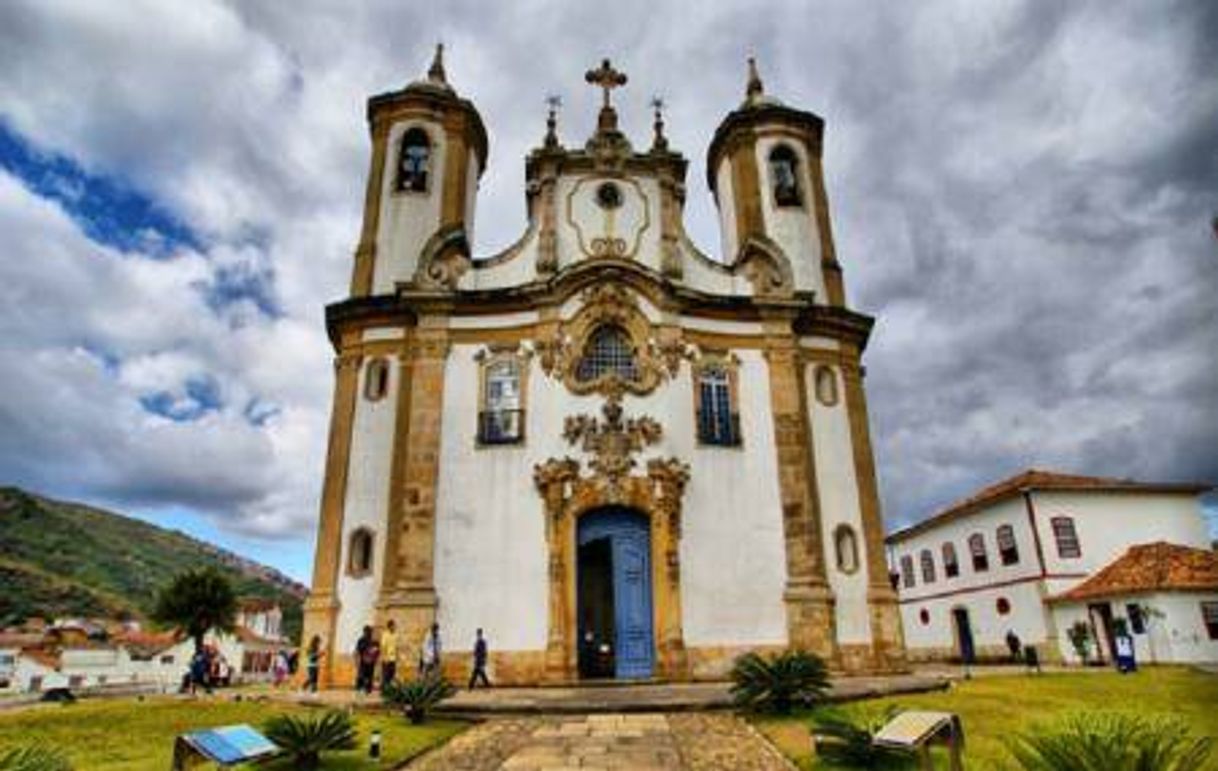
792	227
733	554
518	268
471	193
581	219
366	504
726	201
837	484
407	219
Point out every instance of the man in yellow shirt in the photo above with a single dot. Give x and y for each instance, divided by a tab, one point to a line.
389	654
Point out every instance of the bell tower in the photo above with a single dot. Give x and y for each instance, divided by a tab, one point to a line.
764	169
429	149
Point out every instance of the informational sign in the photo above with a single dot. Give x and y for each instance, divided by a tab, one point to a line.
914	731
226	746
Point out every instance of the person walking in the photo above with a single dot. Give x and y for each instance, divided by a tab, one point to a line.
367	651
480	655
312	663
430	661
389	654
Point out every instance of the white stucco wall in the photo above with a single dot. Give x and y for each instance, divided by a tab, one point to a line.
837	485
581	219
792	227
366	504
407	219
1178	636
726	200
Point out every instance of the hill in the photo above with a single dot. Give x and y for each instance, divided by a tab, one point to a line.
67	559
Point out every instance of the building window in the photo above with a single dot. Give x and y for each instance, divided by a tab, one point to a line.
951	566
359	554
907	573
1007	550
825	381
376	379
976	547
1003	605
501	419
608	352
928	567
1066	537
718	420
784	176
414	161
1137	619
847	547
1209	614
924	616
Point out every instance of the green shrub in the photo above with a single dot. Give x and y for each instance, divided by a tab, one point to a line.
844	738
417	697
305	738
34	758
1109	741
778	682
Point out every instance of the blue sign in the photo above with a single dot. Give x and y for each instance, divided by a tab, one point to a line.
231	744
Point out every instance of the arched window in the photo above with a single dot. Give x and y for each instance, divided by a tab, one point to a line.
784	176
951	566
826	386
501	420
376	379
847	546
608	352
359	552
1007	549
907	572
718	421
976	547
928	566
1067	538
414	161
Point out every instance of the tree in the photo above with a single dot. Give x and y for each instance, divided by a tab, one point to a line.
196	601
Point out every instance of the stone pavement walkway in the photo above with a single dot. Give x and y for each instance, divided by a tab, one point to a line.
686	741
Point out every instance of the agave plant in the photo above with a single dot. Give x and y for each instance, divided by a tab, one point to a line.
778	682
417	697
34	758
1110	741
844	738
305	738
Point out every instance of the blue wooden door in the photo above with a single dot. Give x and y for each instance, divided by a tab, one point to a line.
630	539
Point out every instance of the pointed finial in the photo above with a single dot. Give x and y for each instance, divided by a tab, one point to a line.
554	101
435	73
660	142
755	88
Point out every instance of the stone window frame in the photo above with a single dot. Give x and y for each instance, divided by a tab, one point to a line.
977	550
1008	548
377	378
951	562
354	539
926	561
729	364
823	373
781	152
399	176
844	534
488	358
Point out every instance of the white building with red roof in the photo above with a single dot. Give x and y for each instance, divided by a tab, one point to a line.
1011	557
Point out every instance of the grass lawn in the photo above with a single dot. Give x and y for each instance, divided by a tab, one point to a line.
129	735
995	707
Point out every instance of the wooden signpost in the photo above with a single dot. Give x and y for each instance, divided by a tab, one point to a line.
916	731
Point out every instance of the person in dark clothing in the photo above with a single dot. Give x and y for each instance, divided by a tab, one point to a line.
480	656
367	651
313	663
1013	645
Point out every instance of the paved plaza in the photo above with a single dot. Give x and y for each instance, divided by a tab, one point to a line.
697	741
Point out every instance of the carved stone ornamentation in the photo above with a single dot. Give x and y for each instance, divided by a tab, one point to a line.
763	263
443	259
612	441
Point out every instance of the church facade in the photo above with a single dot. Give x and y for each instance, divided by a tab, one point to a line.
617	456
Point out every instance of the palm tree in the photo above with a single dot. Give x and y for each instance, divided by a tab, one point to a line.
196	601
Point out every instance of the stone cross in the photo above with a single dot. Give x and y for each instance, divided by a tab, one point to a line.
606	77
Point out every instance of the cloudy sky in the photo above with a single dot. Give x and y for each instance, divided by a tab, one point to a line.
1022	194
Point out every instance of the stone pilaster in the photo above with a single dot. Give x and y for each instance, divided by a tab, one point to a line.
888	642
409	594
809	600
322	607
365	253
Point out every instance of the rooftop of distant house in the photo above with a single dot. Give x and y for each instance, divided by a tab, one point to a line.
1147	568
